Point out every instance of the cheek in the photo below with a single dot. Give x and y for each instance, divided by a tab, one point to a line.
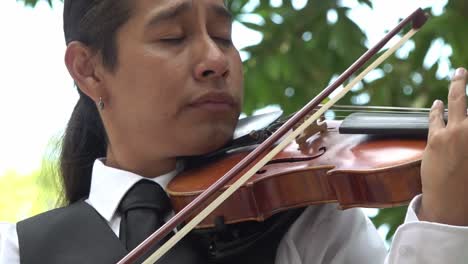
144	101
237	77
149	83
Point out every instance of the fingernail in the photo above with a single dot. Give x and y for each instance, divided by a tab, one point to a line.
436	103
459	74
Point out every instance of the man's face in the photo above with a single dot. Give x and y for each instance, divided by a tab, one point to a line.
177	89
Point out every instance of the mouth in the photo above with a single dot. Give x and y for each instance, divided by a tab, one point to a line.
215	102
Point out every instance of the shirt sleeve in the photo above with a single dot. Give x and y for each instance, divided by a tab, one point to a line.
427	242
9	250
325	235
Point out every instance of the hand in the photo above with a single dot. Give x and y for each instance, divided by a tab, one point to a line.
444	168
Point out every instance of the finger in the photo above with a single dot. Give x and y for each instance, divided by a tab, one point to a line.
457	97
436	117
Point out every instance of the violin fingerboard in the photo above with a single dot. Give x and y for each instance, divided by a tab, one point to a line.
414	124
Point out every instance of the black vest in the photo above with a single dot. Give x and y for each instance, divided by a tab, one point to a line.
78	234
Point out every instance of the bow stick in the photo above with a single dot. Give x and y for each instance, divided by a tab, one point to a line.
418	18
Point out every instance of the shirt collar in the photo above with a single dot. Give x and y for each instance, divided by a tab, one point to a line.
109	185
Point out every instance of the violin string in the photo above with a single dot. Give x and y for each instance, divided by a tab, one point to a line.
340	114
344	110
380	108
373	109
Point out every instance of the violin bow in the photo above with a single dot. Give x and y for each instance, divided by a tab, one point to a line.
418	19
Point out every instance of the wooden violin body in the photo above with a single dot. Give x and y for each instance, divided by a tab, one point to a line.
328	167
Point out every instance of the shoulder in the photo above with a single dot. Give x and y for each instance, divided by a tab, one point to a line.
48	222
49	225
36	227
41	235
58	213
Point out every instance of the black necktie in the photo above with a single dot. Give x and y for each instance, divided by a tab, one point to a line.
142	209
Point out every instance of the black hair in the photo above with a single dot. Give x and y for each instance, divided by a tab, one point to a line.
85	138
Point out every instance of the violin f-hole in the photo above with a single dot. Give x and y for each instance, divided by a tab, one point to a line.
321	151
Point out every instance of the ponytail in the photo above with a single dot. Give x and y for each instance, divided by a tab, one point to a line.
84	141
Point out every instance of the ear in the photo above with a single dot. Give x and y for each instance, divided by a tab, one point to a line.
83	65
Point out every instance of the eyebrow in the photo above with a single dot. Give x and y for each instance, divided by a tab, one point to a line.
177	10
169	13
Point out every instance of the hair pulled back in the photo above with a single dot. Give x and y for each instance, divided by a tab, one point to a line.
85	138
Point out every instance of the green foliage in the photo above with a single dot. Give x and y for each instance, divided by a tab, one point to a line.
16	194
304	54
392	217
33	3
24	195
301	51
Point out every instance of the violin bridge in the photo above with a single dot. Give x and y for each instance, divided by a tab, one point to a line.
317	127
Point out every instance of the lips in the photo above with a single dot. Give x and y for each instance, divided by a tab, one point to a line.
214	101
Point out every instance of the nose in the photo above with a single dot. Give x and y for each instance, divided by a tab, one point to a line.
213	62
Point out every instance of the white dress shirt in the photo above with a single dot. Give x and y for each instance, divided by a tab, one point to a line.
321	235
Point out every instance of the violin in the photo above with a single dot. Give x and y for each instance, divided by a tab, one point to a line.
376	166
359	158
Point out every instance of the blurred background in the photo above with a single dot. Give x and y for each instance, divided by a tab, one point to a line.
291	50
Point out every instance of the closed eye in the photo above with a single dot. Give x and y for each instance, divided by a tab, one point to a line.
225	41
173	40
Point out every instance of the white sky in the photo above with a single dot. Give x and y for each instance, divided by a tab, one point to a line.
37	94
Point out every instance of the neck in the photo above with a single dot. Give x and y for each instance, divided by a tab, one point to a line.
149	168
